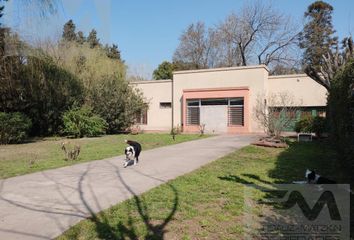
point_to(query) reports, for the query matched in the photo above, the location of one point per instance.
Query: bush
(80, 122)
(304, 125)
(317, 125)
(14, 127)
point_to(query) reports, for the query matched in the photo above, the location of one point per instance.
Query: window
(235, 109)
(235, 112)
(165, 104)
(193, 112)
(141, 117)
(213, 102)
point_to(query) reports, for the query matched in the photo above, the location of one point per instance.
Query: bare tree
(259, 34)
(197, 46)
(275, 113)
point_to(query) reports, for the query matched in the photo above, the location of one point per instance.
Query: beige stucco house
(223, 99)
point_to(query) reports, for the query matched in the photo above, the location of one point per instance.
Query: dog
(132, 152)
(314, 178)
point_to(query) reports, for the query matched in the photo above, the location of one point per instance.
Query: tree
(317, 36)
(341, 115)
(323, 57)
(260, 35)
(69, 31)
(80, 37)
(113, 52)
(92, 39)
(196, 46)
(256, 35)
(163, 71)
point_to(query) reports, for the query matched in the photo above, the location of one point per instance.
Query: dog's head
(129, 152)
(310, 175)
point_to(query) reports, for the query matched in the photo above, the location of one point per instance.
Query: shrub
(80, 122)
(304, 125)
(14, 127)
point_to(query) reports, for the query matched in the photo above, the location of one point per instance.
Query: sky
(147, 32)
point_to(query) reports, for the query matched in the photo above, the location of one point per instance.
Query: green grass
(45, 154)
(207, 203)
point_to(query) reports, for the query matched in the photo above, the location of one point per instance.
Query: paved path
(42, 205)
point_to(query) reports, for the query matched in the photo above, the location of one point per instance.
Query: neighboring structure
(223, 98)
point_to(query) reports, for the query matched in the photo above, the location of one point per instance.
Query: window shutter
(236, 115)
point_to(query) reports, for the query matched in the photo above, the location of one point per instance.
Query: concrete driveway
(45, 204)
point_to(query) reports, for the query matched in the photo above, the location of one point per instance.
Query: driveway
(45, 204)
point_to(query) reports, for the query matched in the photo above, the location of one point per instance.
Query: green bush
(80, 122)
(304, 125)
(317, 125)
(14, 127)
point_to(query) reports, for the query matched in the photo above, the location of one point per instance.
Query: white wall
(158, 119)
(253, 77)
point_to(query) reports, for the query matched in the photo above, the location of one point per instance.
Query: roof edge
(221, 69)
(288, 76)
(151, 81)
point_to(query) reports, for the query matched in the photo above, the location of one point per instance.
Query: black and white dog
(132, 152)
(314, 178)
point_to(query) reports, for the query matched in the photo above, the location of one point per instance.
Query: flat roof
(288, 76)
(221, 69)
(151, 81)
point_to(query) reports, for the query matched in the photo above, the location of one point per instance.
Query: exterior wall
(249, 82)
(218, 93)
(158, 119)
(254, 78)
(306, 91)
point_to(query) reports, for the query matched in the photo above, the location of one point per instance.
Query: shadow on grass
(290, 165)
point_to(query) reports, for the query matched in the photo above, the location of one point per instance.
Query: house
(224, 99)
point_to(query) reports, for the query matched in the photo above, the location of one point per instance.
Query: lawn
(207, 203)
(44, 154)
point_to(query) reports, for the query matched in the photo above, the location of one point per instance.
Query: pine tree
(163, 71)
(80, 37)
(69, 31)
(317, 36)
(92, 39)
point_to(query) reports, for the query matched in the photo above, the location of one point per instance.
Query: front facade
(223, 99)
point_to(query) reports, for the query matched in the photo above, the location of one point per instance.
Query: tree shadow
(89, 201)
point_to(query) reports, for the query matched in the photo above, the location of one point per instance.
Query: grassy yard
(207, 203)
(44, 154)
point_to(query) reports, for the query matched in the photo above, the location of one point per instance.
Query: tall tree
(323, 57)
(69, 31)
(196, 46)
(258, 35)
(92, 39)
(317, 36)
(80, 37)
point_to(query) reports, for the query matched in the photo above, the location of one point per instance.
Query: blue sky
(147, 32)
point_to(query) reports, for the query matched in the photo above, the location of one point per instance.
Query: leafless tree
(197, 46)
(276, 112)
(259, 35)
